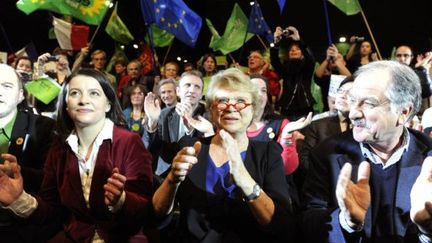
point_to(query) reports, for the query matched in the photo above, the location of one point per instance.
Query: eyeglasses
(342, 91)
(366, 103)
(254, 57)
(403, 55)
(224, 105)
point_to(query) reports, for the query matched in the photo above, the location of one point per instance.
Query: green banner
(89, 11)
(44, 89)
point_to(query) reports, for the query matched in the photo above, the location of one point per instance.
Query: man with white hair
(381, 155)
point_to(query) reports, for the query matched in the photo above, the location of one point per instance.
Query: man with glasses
(258, 65)
(405, 55)
(325, 127)
(358, 188)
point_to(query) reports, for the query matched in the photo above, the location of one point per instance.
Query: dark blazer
(232, 221)
(61, 192)
(315, 133)
(321, 216)
(30, 140)
(163, 142)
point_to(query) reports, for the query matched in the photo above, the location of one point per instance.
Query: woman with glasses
(229, 188)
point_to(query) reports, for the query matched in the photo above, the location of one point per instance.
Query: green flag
(349, 7)
(161, 38)
(119, 54)
(316, 94)
(215, 35)
(117, 29)
(44, 89)
(393, 53)
(89, 11)
(235, 31)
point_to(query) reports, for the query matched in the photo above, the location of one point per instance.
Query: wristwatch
(256, 191)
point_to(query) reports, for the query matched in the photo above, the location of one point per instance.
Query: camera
(53, 59)
(359, 39)
(285, 33)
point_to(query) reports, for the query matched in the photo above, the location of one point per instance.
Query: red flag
(70, 36)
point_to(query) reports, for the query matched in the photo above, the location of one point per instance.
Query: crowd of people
(204, 153)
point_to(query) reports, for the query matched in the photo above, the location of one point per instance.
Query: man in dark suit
(328, 126)
(27, 137)
(380, 153)
(167, 126)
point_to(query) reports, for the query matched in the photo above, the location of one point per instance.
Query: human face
(232, 120)
(188, 68)
(374, 121)
(255, 61)
(262, 91)
(365, 48)
(168, 94)
(190, 89)
(209, 65)
(137, 97)
(24, 65)
(341, 98)
(119, 68)
(170, 71)
(10, 92)
(133, 70)
(404, 55)
(86, 102)
(99, 61)
(295, 52)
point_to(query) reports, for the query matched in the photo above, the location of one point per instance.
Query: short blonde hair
(232, 79)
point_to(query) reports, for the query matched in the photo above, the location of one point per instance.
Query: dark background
(392, 23)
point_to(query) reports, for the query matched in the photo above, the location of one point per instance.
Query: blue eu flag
(173, 16)
(257, 23)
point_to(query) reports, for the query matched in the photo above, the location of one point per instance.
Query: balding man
(27, 137)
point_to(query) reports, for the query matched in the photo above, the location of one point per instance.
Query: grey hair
(166, 81)
(195, 73)
(404, 87)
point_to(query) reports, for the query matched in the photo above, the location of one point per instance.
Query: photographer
(360, 53)
(296, 99)
(405, 55)
(56, 66)
(334, 63)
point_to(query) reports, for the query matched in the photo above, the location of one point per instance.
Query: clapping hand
(296, 125)
(201, 124)
(114, 187)
(152, 107)
(421, 198)
(183, 108)
(424, 60)
(183, 162)
(354, 199)
(11, 181)
(238, 171)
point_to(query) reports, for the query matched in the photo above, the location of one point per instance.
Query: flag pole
(232, 58)
(262, 42)
(329, 39)
(6, 39)
(370, 31)
(78, 65)
(166, 54)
